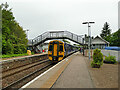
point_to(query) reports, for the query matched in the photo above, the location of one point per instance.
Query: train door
(55, 49)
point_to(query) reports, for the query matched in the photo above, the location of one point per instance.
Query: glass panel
(61, 48)
(50, 48)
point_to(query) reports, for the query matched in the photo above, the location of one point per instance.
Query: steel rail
(40, 62)
(25, 77)
(21, 66)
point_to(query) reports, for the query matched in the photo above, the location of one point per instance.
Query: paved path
(76, 75)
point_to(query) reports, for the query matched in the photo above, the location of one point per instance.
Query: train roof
(63, 42)
(56, 40)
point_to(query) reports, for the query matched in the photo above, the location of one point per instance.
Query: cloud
(42, 15)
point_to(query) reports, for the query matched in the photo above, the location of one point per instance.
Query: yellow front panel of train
(62, 54)
(55, 50)
(50, 53)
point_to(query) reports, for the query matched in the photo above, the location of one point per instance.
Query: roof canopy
(99, 40)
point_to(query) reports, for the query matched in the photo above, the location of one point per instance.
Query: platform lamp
(27, 32)
(89, 34)
(27, 36)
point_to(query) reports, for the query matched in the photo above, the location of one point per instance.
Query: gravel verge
(104, 77)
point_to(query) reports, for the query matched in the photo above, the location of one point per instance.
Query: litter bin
(28, 52)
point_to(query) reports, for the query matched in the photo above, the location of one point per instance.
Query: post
(32, 46)
(89, 36)
(83, 47)
(83, 50)
(27, 33)
(89, 39)
(77, 38)
(72, 35)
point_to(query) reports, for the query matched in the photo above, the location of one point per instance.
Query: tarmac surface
(72, 72)
(76, 75)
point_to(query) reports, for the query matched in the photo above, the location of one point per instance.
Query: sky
(39, 16)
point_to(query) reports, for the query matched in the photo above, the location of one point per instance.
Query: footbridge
(57, 35)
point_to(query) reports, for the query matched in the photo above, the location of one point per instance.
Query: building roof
(99, 40)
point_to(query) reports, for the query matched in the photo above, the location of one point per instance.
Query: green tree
(86, 38)
(105, 31)
(0, 30)
(114, 38)
(14, 40)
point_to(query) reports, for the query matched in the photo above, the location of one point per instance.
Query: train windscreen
(61, 48)
(50, 48)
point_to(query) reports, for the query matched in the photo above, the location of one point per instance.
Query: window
(50, 48)
(61, 48)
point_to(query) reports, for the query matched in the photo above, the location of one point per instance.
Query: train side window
(50, 48)
(61, 48)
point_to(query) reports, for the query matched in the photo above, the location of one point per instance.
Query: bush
(19, 49)
(23, 48)
(97, 58)
(110, 59)
(32, 53)
(9, 47)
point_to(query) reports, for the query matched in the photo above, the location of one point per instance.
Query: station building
(98, 42)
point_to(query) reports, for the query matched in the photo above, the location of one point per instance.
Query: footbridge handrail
(57, 35)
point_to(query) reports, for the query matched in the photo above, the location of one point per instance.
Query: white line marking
(66, 59)
(39, 76)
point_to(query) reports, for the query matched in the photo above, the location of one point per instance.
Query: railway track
(17, 77)
(21, 68)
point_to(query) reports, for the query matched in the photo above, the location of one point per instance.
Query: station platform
(72, 72)
(19, 57)
(76, 74)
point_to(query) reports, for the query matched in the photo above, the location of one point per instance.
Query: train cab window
(50, 48)
(61, 48)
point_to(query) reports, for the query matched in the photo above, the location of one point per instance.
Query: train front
(55, 50)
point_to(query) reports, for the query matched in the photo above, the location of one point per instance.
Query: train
(58, 50)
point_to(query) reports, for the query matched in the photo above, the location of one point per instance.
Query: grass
(14, 55)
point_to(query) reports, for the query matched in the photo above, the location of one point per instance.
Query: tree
(114, 38)
(87, 38)
(105, 31)
(14, 39)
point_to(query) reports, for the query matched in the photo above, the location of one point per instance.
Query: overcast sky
(40, 16)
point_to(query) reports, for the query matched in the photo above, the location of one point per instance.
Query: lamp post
(27, 33)
(89, 34)
(27, 38)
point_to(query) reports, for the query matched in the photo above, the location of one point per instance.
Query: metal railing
(57, 35)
